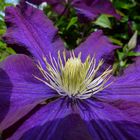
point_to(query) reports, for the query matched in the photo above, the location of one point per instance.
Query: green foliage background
(4, 50)
(73, 32)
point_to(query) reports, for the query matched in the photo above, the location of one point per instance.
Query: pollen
(72, 77)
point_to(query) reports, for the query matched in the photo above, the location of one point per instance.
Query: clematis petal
(97, 44)
(91, 9)
(110, 119)
(88, 119)
(57, 120)
(29, 27)
(124, 93)
(115, 112)
(129, 82)
(59, 6)
(19, 90)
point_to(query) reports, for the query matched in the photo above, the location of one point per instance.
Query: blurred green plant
(125, 54)
(4, 50)
(72, 31)
(123, 30)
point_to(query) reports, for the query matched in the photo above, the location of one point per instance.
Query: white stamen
(72, 77)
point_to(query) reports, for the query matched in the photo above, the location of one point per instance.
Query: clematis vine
(86, 9)
(79, 98)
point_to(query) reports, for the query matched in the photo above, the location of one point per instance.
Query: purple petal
(19, 90)
(119, 104)
(129, 82)
(59, 6)
(125, 92)
(89, 119)
(56, 121)
(29, 27)
(110, 119)
(97, 44)
(93, 8)
(116, 109)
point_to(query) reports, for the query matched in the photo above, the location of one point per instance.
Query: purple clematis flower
(86, 9)
(78, 99)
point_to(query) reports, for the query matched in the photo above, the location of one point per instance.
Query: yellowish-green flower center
(72, 77)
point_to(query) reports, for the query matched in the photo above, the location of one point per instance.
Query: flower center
(72, 77)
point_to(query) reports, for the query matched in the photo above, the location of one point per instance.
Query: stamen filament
(72, 77)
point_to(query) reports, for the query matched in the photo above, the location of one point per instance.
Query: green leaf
(116, 41)
(72, 22)
(120, 55)
(2, 31)
(103, 21)
(133, 41)
(133, 53)
(123, 63)
(125, 4)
